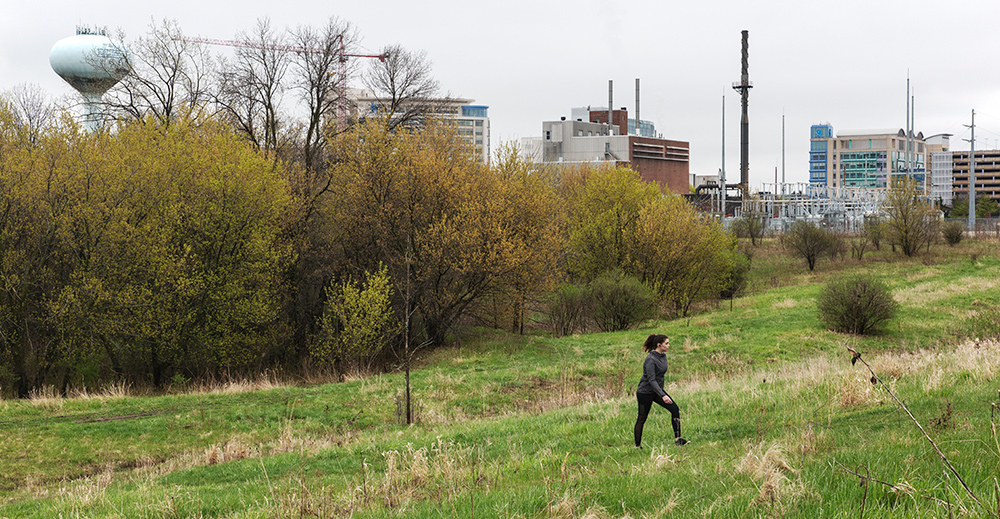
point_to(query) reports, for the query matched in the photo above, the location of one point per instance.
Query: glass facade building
(863, 158)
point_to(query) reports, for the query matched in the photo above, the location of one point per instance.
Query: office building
(863, 158)
(472, 120)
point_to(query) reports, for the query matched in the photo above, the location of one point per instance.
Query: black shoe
(638, 446)
(681, 441)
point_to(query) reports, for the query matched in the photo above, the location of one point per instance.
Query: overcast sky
(843, 63)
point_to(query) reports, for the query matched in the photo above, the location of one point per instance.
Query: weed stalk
(856, 356)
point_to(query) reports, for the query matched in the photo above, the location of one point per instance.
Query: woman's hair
(652, 341)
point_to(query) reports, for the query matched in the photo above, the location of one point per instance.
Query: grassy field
(530, 426)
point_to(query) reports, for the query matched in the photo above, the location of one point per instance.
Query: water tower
(91, 64)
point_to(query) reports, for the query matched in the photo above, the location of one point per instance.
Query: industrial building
(593, 140)
(472, 120)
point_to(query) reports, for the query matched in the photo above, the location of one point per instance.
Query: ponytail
(652, 341)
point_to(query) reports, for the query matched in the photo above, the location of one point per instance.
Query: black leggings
(645, 404)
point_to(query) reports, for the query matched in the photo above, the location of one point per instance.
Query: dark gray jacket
(653, 369)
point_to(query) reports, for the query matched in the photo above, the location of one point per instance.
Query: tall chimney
(610, 104)
(743, 88)
(637, 132)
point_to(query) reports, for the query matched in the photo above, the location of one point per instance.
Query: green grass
(531, 426)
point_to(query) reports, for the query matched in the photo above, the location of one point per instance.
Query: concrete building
(472, 120)
(592, 140)
(863, 158)
(987, 174)
(940, 167)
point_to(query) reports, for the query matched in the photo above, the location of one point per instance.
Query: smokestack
(611, 90)
(743, 88)
(637, 107)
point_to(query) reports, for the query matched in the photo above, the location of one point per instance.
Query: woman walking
(651, 388)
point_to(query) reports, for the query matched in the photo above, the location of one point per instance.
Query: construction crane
(341, 58)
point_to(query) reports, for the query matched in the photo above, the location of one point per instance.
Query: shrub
(953, 232)
(568, 310)
(809, 241)
(738, 278)
(873, 230)
(856, 303)
(619, 301)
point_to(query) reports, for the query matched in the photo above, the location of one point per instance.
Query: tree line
(211, 229)
(160, 250)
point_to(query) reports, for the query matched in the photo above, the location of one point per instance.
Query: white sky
(843, 62)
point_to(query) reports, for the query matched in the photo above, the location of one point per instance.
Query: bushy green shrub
(953, 232)
(619, 301)
(738, 278)
(568, 310)
(856, 303)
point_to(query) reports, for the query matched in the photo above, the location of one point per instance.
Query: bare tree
(32, 110)
(911, 219)
(403, 84)
(320, 76)
(167, 72)
(250, 87)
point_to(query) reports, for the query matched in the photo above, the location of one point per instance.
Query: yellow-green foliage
(457, 230)
(357, 318)
(683, 255)
(152, 247)
(604, 208)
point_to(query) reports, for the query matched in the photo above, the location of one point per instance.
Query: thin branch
(856, 356)
(866, 479)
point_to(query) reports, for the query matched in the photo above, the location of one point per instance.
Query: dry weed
(440, 471)
(673, 502)
(660, 459)
(770, 469)
(89, 490)
(807, 439)
(289, 441)
(46, 397)
(926, 293)
(785, 303)
(855, 389)
(266, 381)
(120, 389)
(235, 449)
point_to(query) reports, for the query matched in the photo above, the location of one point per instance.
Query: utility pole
(972, 175)
(906, 154)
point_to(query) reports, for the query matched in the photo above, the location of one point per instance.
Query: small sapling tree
(809, 241)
